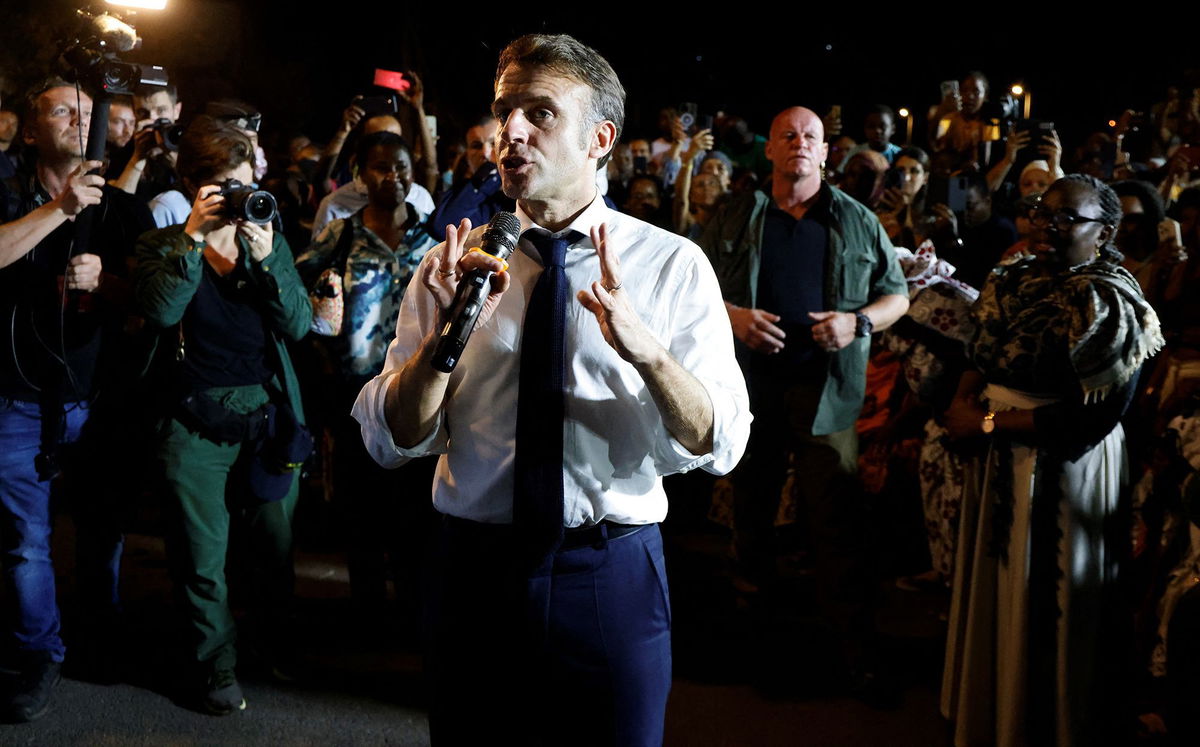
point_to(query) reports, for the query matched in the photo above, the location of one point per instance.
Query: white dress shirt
(615, 446)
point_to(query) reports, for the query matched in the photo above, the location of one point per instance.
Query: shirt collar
(592, 216)
(821, 208)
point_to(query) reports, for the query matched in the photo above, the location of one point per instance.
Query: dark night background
(301, 63)
(302, 67)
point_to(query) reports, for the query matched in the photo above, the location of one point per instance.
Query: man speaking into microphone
(602, 359)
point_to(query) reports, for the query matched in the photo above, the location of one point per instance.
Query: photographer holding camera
(233, 436)
(173, 206)
(146, 166)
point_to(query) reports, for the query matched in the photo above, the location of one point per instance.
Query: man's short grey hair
(569, 57)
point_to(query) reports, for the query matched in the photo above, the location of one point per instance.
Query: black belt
(574, 538)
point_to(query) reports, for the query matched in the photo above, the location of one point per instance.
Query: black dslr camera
(243, 202)
(169, 133)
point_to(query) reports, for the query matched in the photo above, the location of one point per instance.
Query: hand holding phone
(393, 80)
(951, 99)
(1170, 241)
(833, 122)
(372, 106)
(1168, 231)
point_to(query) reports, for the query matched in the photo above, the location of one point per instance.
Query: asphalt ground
(749, 670)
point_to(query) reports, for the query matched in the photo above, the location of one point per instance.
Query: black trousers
(827, 490)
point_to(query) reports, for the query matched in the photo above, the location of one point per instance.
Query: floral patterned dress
(931, 344)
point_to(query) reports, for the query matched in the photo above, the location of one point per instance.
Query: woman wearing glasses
(1061, 335)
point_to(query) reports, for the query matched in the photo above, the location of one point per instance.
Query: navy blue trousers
(576, 652)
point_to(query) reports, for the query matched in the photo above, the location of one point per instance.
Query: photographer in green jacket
(233, 436)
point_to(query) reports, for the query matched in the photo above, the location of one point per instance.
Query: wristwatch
(862, 325)
(989, 422)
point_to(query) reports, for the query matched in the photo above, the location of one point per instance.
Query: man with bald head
(807, 274)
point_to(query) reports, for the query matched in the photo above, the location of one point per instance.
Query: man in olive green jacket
(807, 274)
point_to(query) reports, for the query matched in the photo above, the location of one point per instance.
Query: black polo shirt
(791, 280)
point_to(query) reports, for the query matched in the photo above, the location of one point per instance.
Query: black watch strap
(862, 325)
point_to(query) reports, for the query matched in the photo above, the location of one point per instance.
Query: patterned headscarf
(1092, 317)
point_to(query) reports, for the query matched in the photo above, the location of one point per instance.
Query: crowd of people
(994, 318)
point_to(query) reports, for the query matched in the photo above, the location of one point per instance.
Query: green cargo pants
(198, 473)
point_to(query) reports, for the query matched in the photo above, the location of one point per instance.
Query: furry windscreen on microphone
(117, 35)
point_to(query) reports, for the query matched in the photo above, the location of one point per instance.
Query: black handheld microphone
(499, 240)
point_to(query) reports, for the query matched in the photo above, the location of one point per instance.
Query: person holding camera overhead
(61, 386)
(232, 435)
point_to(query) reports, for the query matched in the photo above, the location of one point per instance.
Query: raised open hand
(609, 302)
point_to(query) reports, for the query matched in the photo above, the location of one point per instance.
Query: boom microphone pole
(90, 59)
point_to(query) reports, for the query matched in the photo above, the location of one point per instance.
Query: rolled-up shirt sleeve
(702, 342)
(417, 316)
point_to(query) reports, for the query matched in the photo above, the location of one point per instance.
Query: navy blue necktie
(538, 463)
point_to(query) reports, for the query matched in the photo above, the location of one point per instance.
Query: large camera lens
(169, 133)
(247, 203)
(171, 137)
(119, 77)
(258, 206)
